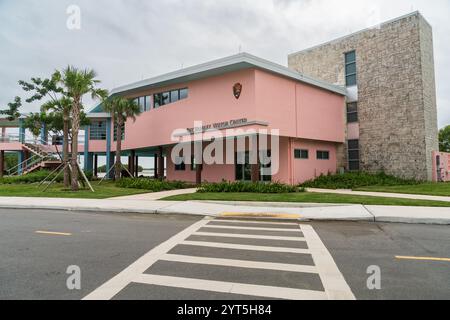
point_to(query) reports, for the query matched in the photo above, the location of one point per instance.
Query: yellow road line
(261, 215)
(54, 233)
(423, 258)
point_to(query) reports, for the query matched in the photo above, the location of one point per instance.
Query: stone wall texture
(396, 93)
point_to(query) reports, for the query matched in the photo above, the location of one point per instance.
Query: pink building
(238, 92)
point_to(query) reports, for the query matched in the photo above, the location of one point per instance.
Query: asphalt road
(184, 257)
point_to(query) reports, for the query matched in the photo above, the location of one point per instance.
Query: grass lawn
(306, 197)
(432, 189)
(105, 190)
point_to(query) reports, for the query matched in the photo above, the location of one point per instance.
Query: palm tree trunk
(75, 129)
(66, 149)
(118, 149)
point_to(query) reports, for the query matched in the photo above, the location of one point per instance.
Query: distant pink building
(238, 92)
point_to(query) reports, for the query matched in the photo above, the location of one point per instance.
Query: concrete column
(160, 164)
(21, 158)
(21, 131)
(2, 162)
(109, 155)
(89, 162)
(96, 165)
(87, 165)
(110, 160)
(131, 162)
(136, 167)
(255, 168)
(198, 174)
(3, 132)
(155, 158)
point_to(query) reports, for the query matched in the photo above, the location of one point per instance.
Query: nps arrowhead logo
(237, 90)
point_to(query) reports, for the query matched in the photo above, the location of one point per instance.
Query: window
(350, 69)
(244, 169)
(353, 155)
(141, 103)
(144, 103)
(157, 100)
(148, 103)
(301, 154)
(183, 94)
(181, 166)
(323, 155)
(174, 96)
(97, 130)
(115, 132)
(352, 112)
(161, 99)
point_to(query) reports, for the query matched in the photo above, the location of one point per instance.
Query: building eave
(221, 66)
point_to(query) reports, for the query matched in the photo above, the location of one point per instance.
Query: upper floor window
(163, 98)
(323, 155)
(97, 130)
(350, 68)
(144, 103)
(353, 155)
(352, 112)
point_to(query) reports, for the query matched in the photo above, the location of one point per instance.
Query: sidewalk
(156, 195)
(307, 212)
(381, 194)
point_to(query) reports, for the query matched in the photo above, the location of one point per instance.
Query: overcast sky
(128, 40)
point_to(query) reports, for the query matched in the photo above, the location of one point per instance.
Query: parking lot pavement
(224, 258)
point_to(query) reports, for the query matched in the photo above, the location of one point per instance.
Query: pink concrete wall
(299, 110)
(210, 100)
(444, 166)
(291, 170)
(311, 168)
(210, 173)
(98, 145)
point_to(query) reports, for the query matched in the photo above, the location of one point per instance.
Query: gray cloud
(125, 41)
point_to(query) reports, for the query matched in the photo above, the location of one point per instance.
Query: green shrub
(151, 184)
(33, 177)
(353, 180)
(248, 187)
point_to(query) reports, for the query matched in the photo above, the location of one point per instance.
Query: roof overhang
(225, 65)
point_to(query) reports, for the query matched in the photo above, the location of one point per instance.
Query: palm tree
(77, 84)
(63, 107)
(58, 103)
(120, 109)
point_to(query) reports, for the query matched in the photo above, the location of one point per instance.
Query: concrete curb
(409, 215)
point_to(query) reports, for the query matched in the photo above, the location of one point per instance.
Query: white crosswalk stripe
(251, 228)
(247, 236)
(244, 247)
(192, 248)
(240, 263)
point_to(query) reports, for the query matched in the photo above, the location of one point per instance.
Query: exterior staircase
(42, 159)
(39, 159)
